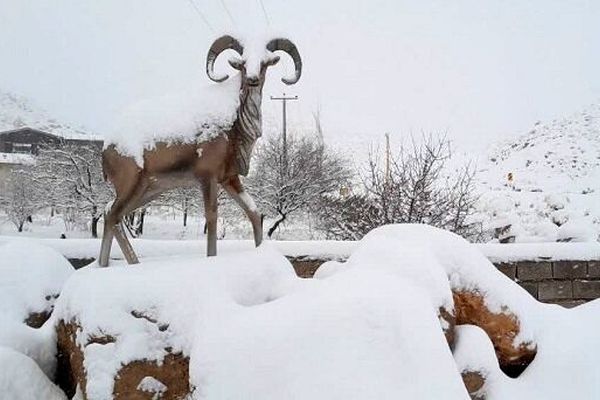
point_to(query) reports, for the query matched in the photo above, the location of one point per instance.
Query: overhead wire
(262, 5)
(228, 13)
(201, 14)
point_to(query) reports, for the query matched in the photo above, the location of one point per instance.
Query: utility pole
(284, 101)
(387, 158)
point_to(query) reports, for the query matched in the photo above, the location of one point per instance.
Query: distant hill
(17, 112)
(555, 170)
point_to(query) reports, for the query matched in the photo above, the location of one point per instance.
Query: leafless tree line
(416, 186)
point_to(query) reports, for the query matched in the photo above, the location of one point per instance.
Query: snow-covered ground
(163, 223)
(554, 190)
(253, 329)
(309, 249)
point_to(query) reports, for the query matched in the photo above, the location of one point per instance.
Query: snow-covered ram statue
(220, 160)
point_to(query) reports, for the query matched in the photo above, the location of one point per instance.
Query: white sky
(481, 70)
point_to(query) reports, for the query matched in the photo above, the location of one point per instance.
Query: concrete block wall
(568, 283)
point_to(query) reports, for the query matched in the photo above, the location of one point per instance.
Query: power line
(201, 15)
(228, 12)
(262, 5)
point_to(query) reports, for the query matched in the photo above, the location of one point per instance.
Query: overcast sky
(480, 70)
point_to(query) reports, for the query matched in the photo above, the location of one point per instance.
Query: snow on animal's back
(197, 114)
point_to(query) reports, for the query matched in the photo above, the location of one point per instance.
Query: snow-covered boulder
(31, 278)
(123, 324)
(243, 325)
(22, 379)
(464, 285)
(248, 327)
(566, 365)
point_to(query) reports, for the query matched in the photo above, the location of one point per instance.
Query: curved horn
(221, 44)
(290, 48)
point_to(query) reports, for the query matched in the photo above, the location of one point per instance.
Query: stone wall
(568, 283)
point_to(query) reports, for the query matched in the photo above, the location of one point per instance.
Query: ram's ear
(272, 61)
(237, 63)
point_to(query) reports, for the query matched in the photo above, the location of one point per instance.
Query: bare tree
(72, 177)
(187, 200)
(417, 188)
(286, 188)
(20, 198)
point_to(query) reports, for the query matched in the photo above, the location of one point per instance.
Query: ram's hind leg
(113, 227)
(234, 188)
(209, 193)
(124, 243)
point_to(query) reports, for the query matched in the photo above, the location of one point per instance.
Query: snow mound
(555, 171)
(22, 379)
(565, 338)
(577, 231)
(441, 262)
(356, 335)
(31, 278)
(197, 114)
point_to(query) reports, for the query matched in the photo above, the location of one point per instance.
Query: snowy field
(162, 223)
(165, 236)
(252, 329)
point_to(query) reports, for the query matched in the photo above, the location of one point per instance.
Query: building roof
(82, 137)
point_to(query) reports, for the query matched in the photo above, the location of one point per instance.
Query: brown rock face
(502, 328)
(448, 322)
(37, 319)
(70, 371)
(474, 382)
(173, 371)
(305, 268)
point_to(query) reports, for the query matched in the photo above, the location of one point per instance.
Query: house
(29, 140)
(19, 147)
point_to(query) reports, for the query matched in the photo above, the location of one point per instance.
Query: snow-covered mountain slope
(546, 183)
(18, 112)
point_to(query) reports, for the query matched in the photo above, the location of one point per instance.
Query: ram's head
(253, 63)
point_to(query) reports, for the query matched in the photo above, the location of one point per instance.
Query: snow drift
(31, 278)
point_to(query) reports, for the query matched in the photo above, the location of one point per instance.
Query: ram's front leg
(209, 192)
